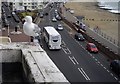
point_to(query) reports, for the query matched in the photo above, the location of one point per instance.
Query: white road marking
(101, 65)
(72, 60)
(63, 43)
(98, 62)
(108, 71)
(66, 49)
(116, 78)
(111, 74)
(83, 73)
(75, 60)
(95, 59)
(104, 67)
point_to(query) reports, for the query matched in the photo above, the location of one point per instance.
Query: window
(20, 4)
(55, 40)
(35, 3)
(32, 3)
(33, 7)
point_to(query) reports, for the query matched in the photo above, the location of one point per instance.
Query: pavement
(16, 37)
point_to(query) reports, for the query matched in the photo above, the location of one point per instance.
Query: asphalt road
(75, 62)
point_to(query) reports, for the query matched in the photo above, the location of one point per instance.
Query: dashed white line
(101, 65)
(108, 71)
(104, 67)
(111, 74)
(98, 62)
(95, 59)
(83, 73)
(116, 78)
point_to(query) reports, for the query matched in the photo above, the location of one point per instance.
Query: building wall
(30, 4)
(0, 15)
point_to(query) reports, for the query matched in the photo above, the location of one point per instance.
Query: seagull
(30, 28)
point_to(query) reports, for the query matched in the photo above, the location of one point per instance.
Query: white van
(52, 37)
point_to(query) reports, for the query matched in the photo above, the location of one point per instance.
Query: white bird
(30, 28)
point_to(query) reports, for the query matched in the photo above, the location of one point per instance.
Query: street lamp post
(8, 31)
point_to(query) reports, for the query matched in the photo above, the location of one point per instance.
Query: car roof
(59, 24)
(118, 61)
(78, 34)
(91, 43)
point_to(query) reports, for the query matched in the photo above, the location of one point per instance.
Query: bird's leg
(31, 40)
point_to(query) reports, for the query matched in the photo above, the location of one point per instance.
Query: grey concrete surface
(38, 67)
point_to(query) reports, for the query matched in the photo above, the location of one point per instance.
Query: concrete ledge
(37, 65)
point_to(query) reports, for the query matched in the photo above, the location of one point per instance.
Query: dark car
(115, 66)
(92, 47)
(79, 37)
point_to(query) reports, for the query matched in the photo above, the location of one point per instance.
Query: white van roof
(51, 30)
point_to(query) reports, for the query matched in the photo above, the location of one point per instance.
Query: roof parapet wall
(40, 65)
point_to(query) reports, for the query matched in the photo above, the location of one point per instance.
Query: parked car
(79, 37)
(59, 27)
(71, 11)
(41, 15)
(115, 66)
(83, 26)
(58, 17)
(92, 47)
(56, 10)
(54, 19)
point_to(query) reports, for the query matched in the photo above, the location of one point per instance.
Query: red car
(92, 47)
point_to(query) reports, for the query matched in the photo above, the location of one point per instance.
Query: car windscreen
(55, 38)
(93, 46)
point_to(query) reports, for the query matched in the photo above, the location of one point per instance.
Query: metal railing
(106, 36)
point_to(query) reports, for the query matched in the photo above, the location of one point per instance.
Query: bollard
(31, 38)
(15, 29)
